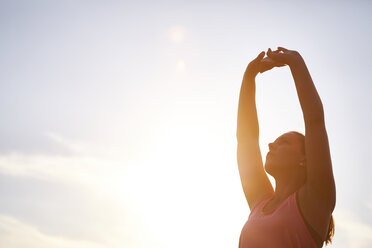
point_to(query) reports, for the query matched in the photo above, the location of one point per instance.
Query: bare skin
(314, 179)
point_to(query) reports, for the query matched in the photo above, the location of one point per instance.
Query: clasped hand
(277, 58)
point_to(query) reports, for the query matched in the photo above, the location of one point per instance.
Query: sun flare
(177, 34)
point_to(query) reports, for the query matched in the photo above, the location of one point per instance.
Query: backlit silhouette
(299, 212)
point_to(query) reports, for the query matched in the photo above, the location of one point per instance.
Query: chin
(270, 167)
(267, 167)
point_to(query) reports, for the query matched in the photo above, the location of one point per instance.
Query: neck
(284, 187)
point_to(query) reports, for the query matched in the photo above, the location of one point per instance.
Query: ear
(303, 163)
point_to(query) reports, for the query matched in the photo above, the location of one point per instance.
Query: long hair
(331, 228)
(331, 231)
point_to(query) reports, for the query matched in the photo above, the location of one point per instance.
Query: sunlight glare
(181, 65)
(177, 34)
(184, 187)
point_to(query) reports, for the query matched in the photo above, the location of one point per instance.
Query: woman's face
(285, 154)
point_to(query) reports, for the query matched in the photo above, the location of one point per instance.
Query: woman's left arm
(320, 179)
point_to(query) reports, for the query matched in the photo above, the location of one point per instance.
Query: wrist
(249, 75)
(298, 61)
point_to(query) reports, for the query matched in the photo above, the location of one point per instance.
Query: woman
(299, 212)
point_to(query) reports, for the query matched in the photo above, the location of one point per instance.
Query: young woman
(299, 212)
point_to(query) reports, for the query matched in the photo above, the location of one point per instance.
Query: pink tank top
(283, 227)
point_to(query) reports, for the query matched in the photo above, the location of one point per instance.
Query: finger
(268, 63)
(260, 56)
(271, 54)
(266, 67)
(277, 57)
(282, 49)
(267, 60)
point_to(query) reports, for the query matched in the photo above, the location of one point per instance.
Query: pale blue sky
(119, 118)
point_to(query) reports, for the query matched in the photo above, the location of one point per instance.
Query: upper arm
(256, 185)
(320, 183)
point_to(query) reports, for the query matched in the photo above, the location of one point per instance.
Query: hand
(268, 63)
(285, 56)
(261, 64)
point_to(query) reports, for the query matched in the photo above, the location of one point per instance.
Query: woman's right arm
(247, 127)
(256, 185)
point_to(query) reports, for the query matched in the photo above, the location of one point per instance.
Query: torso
(315, 214)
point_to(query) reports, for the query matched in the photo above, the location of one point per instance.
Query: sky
(118, 118)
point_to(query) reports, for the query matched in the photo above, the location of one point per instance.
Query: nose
(271, 146)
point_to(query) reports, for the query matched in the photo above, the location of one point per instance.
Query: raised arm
(320, 181)
(255, 182)
(247, 127)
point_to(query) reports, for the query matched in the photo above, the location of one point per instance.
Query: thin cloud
(357, 233)
(88, 164)
(116, 221)
(16, 234)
